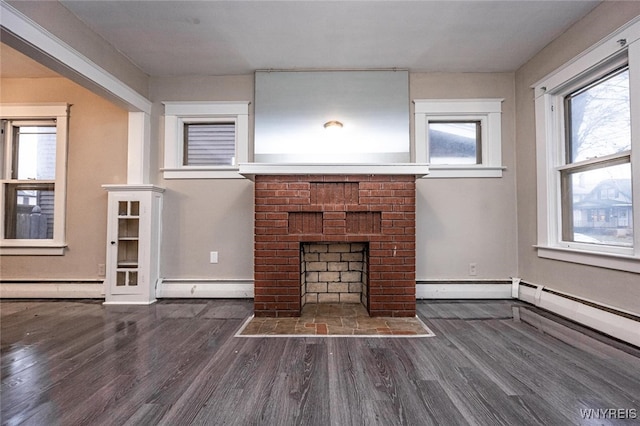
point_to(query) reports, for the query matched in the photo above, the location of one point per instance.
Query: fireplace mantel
(250, 170)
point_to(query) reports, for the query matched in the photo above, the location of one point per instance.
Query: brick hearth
(378, 210)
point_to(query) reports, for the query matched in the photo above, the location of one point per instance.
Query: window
(33, 186)
(205, 140)
(586, 152)
(459, 137)
(455, 142)
(209, 144)
(597, 171)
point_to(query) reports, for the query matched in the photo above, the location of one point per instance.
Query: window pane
(29, 211)
(35, 153)
(209, 144)
(600, 206)
(600, 118)
(454, 142)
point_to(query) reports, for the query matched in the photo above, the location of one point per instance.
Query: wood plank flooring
(178, 363)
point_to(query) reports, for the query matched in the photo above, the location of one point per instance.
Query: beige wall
(97, 155)
(201, 216)
(460, 221)
(609, 287)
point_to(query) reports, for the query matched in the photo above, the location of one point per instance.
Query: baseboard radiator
(203, 288)
(614, 322)
(464, 289)
(52, 289)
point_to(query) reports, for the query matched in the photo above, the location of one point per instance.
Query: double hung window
(595, 179)
(33, 179)
(588, 156)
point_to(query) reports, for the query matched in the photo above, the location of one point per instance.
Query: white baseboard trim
(614, 322)
(84, 289)
(195, 288)
(463, 289)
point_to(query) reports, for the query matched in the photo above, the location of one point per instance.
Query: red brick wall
(379, 209)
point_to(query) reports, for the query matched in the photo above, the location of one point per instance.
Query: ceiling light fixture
(333, 124)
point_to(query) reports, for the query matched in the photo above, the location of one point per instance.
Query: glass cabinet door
(128, 244)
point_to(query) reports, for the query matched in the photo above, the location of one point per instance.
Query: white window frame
(179, 113)
(487, 111)
(620, 47)
(60, 113)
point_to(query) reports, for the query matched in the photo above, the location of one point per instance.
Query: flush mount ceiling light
(333, 124)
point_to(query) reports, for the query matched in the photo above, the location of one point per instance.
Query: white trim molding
(249, 170)
(176, 114)
(487, 111)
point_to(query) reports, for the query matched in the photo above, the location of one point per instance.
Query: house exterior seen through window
(596, 182)
(588, 153)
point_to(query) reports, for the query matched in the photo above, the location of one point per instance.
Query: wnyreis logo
(609, 413)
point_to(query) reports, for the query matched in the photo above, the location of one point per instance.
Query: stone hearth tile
(278, 326)
(349, 322)
(368, 322)
(340, 330)
(321, 328)
(403, 333)
(335, 319)
(253, 327)
(330, 321)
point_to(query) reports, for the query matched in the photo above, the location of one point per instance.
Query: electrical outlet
(102, 271)
(213, 257)
(473, 269)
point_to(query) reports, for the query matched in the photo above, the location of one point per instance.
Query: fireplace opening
(334, 273)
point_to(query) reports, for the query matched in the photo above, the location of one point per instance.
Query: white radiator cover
(618, 326)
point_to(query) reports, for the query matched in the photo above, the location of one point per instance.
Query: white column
(139, 148)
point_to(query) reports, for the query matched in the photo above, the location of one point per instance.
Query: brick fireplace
(298, 213)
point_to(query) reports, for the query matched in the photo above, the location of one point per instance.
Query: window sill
(30, 249)
(202, 173)
(620, 262)
(436, 171)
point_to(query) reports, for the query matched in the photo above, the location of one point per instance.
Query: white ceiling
(172, 38)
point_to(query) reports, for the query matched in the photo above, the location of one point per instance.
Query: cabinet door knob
(113, 243)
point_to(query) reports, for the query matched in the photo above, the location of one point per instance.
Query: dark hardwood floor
(178, 362)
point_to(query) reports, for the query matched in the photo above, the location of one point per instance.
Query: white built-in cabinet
(133, 243)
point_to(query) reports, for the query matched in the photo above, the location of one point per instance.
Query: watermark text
(609, 413)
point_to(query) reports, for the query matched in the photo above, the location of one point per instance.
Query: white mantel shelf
(249, 170)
